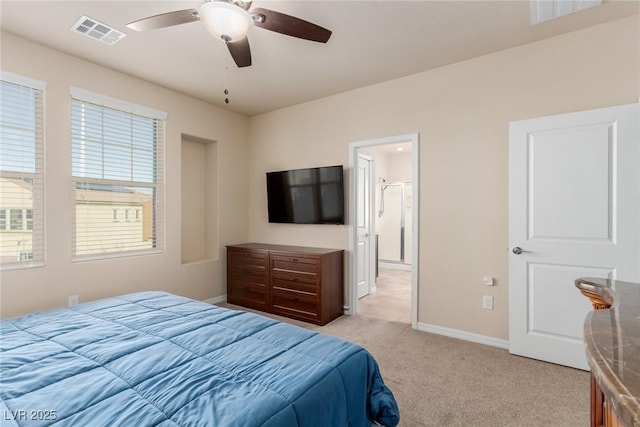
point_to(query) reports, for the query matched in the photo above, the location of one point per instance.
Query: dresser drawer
(306, 284)
(295, 263)
(247, 258)
(294, 304)
(248, 275)
(247, 295)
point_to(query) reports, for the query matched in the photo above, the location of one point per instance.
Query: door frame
(370, 241)
(414, 139)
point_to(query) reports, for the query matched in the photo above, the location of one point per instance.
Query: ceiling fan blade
(289, 25)
(240, 52)
(165, 20)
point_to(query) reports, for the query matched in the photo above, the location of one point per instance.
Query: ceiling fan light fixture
(225, 20)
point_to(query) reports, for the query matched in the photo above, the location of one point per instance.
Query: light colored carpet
(441, 381)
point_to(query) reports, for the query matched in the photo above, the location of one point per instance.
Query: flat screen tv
(306, 196)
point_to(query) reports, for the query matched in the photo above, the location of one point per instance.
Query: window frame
(159, 210)
(37, 230)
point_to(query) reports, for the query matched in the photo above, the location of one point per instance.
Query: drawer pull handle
(291, 298)
(294, 259)
(294, 279)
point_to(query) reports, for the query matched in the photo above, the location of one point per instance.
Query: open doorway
(384, 229)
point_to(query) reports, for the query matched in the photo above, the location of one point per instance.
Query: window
(21, 171)
(16, 219)
(26, 256)
(117, 165)
(29, 217)
(19, 219)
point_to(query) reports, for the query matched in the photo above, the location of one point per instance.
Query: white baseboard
(463, 335)
(216, 300)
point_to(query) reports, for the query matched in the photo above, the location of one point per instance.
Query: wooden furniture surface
(293, 281)
(612, 342)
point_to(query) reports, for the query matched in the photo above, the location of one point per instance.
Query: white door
(363, 224)
(574, 191)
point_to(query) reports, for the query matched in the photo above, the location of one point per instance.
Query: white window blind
(21, 171)
(117, 167)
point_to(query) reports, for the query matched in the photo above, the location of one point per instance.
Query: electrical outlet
(74, 300)
(487, 302)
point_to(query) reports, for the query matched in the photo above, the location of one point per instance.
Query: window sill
(21, 265)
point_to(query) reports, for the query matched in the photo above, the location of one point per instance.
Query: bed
(157, 359)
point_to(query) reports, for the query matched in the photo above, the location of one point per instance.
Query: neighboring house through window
(117, 165)
(21, 171)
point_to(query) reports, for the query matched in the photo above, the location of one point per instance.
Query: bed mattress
(157, 359)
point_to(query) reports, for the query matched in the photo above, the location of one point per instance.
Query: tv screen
(306, 196)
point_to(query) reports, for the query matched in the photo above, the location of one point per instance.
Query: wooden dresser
(297, 282)
(612, 342)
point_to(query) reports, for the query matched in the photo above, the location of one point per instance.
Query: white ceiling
(372, 41)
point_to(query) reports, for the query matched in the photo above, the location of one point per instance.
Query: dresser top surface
(612, 341)
(285, 248)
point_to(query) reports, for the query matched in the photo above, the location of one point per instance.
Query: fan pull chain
(226, 78)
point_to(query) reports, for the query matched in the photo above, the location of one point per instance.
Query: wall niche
(199, 199)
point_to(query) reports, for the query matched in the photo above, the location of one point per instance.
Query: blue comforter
(156, 359)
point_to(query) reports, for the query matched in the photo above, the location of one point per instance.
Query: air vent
(546, 10)
(97, 30)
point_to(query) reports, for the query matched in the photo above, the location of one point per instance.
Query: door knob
(517, 250)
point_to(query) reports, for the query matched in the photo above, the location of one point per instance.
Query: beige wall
(390, 166)
(22, 291)
(398, 167)
(462, 112)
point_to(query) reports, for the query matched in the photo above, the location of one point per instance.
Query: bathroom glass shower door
(394, 220)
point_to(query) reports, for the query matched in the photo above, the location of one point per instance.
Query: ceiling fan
(231, 20)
